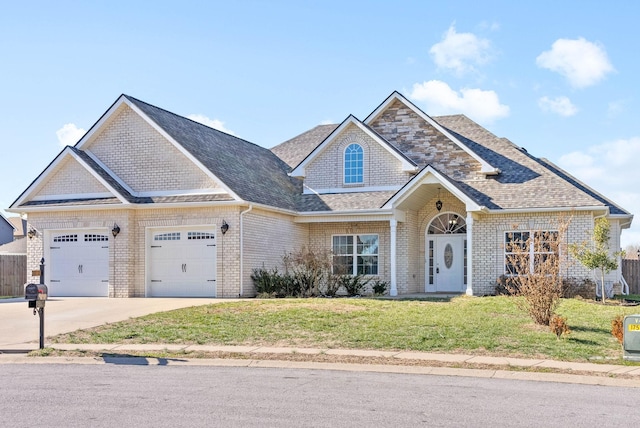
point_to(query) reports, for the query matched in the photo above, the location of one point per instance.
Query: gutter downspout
(242, 248)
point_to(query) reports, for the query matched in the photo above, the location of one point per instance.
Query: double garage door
(79, 263)
(182, 263)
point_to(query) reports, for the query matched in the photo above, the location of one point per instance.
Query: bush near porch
(471, 325)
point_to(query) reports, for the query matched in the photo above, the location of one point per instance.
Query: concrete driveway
(20, 329)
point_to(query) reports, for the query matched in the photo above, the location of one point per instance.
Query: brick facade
(143, 158)
(140, 155)
(381, 168)
(69, 179)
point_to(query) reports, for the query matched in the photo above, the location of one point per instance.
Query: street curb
(309, 365)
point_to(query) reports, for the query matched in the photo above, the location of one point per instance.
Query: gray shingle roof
(259, 175)
(252, 172)
(525, 181)
(343, 201)
(294, 151)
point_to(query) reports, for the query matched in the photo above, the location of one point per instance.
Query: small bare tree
(595, 254)
(534, 264)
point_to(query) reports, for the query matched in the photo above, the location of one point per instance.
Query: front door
(445, 264)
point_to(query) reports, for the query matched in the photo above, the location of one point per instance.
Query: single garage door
(79, 264)
(182, 263)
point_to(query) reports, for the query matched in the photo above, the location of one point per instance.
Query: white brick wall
(381, 168)
(71, 178)
(143, 158)
(267, 238)
(488, 243)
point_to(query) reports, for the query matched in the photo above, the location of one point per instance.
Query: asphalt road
(120, 394)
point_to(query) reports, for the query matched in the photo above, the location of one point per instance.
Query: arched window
(353, 164)
(447, 223)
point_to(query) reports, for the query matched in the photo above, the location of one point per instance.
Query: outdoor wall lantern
(438, 202)
(224, 227)
(116, 230)
(31, 233)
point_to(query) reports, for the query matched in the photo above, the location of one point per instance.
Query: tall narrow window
(353, 164)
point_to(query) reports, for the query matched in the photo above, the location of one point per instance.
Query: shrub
(500, 285)
(572, 287)
(617, 328)
(331, 286)
(539, 283)
(267, 282)
(379, 287)
(308, 270)
(353, 285)
(558, 326)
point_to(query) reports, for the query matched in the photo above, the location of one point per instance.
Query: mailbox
(31, 292)
(36, 294)
(631, 337)
(43, 292)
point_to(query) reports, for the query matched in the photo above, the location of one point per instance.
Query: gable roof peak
(407, 163)
(486, 167)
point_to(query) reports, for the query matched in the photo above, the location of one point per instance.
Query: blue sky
(558, 78)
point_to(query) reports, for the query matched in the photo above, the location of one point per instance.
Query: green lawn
(487, 325)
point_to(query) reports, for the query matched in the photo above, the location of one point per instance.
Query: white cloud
(69, 134)
(460, 52)
(479, 105)
(583, 63)
(211, 123)
(611, 169)
(558, 105)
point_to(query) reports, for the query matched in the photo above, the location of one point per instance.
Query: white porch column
(469, 254)
(393, 223)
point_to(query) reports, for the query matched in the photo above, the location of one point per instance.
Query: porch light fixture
(224, 227)
(438, 202)
(116, 230)
(31, 233)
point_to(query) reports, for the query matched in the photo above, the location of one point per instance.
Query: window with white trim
(355, 254)
(353, 164)
(531, 248)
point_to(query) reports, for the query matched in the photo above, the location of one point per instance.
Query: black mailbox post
(36, 296)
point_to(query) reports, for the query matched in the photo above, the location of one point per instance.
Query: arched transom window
(447, 223)
(353, 164)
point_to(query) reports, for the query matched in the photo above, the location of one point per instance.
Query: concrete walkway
(20, 329)
(19, 332)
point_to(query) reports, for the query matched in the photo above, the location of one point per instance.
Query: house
(19, 227)
(149, 203)
(6, 230)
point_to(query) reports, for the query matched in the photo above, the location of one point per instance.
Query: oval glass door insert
(448, 256)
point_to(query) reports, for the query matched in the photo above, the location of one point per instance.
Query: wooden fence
(13, 274)
(631, 273)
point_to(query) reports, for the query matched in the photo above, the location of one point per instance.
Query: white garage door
(79, 264)
(182, 263)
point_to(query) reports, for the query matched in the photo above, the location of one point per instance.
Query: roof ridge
(136, 100)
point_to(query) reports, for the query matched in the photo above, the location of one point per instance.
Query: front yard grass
(470, 325)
